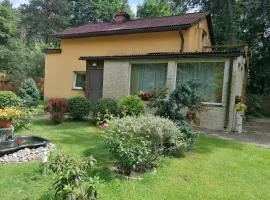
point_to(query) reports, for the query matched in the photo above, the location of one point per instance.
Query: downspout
(229, 95)
(182, 41)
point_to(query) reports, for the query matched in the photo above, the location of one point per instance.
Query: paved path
(255, 132)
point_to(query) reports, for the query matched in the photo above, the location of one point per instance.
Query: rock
(26, 155)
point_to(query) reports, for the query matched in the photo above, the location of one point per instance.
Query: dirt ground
(256, 131)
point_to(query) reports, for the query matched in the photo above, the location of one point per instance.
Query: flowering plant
(240, 107)
(9, 114)
(145, 96)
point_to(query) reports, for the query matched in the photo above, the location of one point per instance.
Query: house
(121, 58)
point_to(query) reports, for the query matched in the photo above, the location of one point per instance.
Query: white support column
(171, 75)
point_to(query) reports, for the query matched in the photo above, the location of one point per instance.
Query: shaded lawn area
(215, 169)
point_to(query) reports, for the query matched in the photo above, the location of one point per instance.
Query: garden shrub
(190, 136)
(254, 107)
(137, 142)
(29, 93)
(184, 97)
(9, 99)
(72, 177)
(105, 108)
(131, 105)
(79, 107)
(131, 151)
(23, 121)
(57, 108)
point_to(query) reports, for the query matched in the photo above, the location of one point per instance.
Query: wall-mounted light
(94, 64)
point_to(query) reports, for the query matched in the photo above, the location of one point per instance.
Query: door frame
(90, 65)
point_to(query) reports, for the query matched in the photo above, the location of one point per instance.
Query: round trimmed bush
(9, 99)
(131, 105)
(104, 107)
(29, 93)
(137, 142)
(79, 107)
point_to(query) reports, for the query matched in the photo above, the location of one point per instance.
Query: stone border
(27, 155)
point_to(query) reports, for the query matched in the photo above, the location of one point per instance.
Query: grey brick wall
(116, 79)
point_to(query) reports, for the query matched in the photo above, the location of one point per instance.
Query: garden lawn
(215, 169)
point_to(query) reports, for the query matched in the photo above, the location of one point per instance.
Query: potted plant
(7, 115)
(241, 107)
(240, 111)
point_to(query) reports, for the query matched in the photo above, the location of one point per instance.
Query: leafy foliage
(158, 98)
(8, 27)
(79, 107)
(29, 93)
(240, 107)
(154, 8)
(131, 105)
(93, 11)
(105, 108)
(9, 99)
(190, 136)
(254, 107)
(23, 121)
(42, 19)
(12, 50)
(183, 97)
(132, 151)
(57, 107)
(137, 142)
(72, 181)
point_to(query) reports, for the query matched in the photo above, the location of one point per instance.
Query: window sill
(211, 104)
(78, 89)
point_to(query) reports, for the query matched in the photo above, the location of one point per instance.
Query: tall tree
(41, 19)
(226, 15)
(8, 22)
(154, 8)
(12, 50)
(256, 32)
(242, 21)
(93, 11)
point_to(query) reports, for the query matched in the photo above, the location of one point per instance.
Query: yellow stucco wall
(59, 68)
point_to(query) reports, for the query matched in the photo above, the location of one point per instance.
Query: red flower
(145, 96)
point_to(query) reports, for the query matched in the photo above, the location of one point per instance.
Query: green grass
(215, 169)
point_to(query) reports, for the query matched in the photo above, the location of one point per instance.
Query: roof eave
(121, 32)
(165, 56)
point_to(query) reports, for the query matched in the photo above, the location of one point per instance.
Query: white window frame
(75, 73)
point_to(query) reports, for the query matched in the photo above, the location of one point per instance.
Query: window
(146, 77)
(208, 74)
(79, 80)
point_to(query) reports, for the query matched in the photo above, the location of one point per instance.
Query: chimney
(121, 17)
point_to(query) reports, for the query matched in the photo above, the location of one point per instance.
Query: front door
(95, 81)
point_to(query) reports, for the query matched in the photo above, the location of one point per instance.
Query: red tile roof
(135, 26)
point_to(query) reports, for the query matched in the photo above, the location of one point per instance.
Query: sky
(133, 3)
